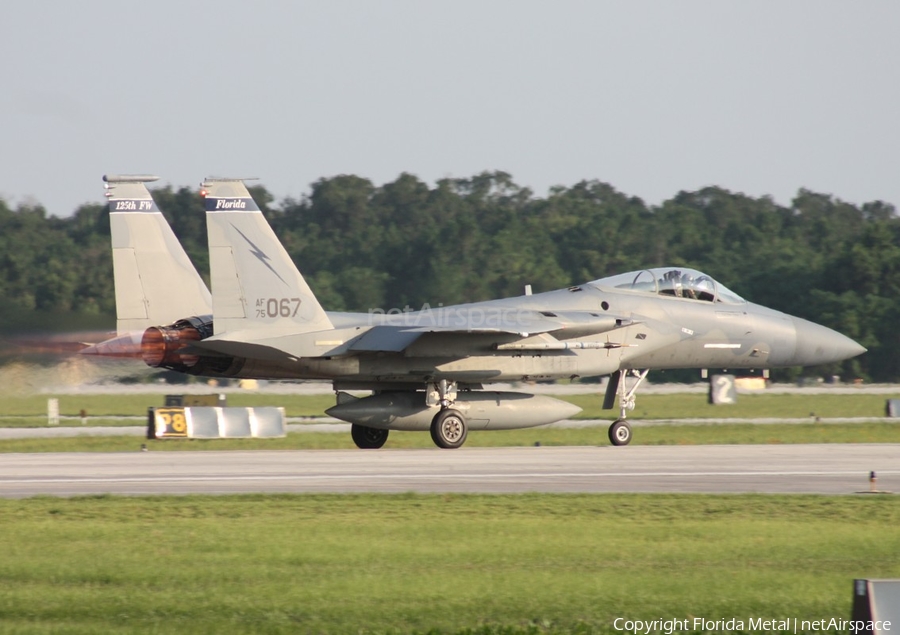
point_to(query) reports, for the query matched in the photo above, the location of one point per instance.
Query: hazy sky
(652, 97)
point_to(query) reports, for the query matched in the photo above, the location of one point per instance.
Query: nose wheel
(620, 433)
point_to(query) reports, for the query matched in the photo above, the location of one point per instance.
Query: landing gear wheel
(620, 433)
(448, 429)
(368, 438)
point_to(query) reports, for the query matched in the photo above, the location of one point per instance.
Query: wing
(408, 333)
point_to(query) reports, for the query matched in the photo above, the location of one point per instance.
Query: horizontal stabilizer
(130, 178)
(386, 339)
(233, 348)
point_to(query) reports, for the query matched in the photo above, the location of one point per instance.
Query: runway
(821, 469)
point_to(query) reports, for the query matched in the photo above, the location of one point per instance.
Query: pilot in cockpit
(683, 285)
(704, 289)
(672, 283)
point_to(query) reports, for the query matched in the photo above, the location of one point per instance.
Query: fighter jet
(427, 369)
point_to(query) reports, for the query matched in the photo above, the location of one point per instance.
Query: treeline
(406, 243)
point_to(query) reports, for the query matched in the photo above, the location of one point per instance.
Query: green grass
(412, 563)
(137, 404)
(694, 405)
(655, 435)
(103, 422)
(674, 406)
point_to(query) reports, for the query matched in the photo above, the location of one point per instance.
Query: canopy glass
(678, 282)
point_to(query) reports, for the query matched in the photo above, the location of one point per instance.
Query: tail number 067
(277, 307)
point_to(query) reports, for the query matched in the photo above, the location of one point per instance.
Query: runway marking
(382, 477)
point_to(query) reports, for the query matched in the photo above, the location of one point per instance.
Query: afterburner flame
(160, 345)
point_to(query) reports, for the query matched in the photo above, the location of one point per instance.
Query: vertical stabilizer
(155, 281)
(255, 284)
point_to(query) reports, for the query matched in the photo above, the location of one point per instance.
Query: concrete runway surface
(821, 469)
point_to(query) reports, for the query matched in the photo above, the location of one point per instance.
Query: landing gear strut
(448, 428)
(620, 431)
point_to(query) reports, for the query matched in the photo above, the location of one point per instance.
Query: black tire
(448, 429)
(620, 433)
(368, 438)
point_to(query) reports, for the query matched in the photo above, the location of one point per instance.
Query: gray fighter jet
(426, 369)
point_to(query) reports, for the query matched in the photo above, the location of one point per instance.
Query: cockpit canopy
(678, 282)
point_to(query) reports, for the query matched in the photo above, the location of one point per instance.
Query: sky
(653, 98)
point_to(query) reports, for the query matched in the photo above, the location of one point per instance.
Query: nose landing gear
(620, 431)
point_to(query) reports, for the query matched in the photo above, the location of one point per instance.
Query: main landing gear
(368, 438)
(620, 431)
(448, 428)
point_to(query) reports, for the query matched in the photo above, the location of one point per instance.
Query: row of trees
(405, 243)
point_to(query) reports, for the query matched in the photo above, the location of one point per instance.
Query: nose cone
(817, 344)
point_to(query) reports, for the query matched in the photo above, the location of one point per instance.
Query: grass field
(32, 410)
(411, 563)
(12, 408)
(655, 435)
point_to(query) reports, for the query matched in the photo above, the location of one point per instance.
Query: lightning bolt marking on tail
(260, 254)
